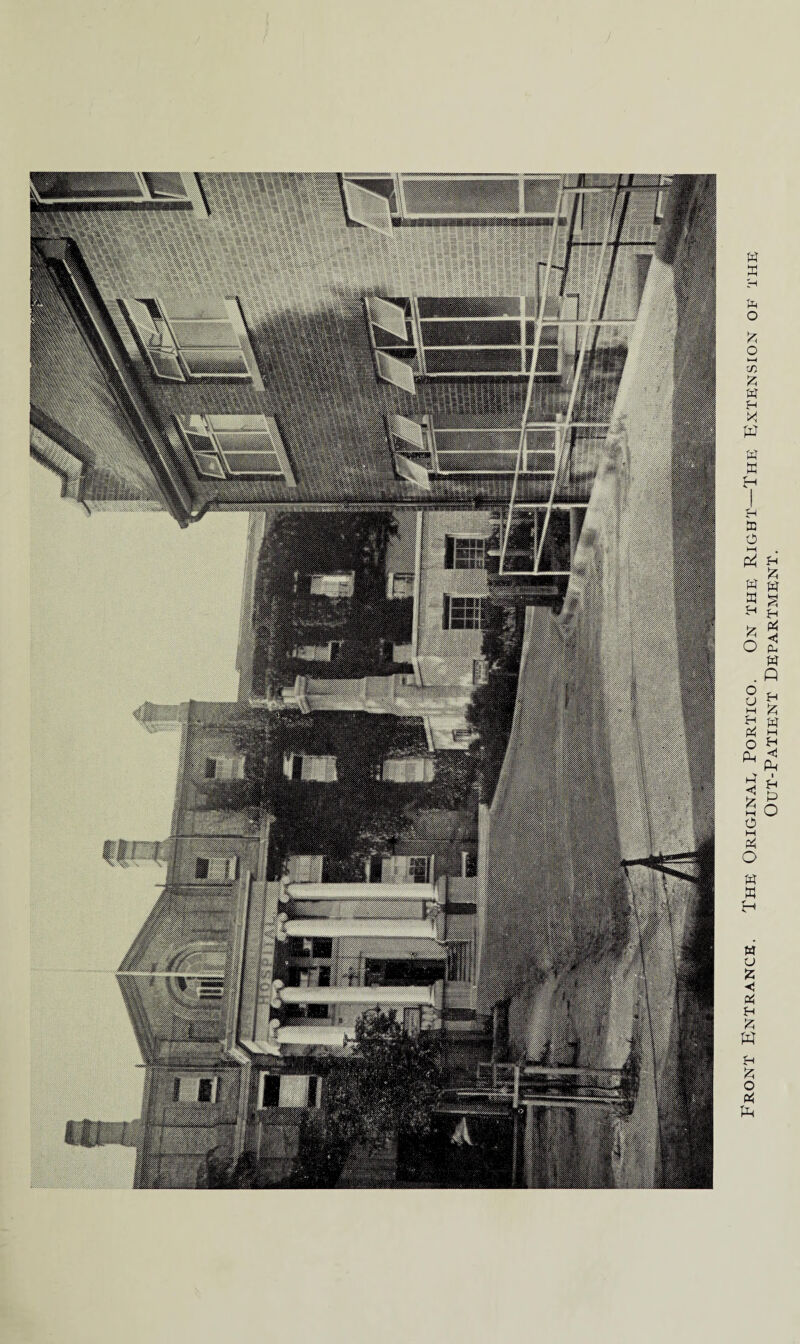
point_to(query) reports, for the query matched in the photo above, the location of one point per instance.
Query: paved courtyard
(611, 757)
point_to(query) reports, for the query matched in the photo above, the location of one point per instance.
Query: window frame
(194, 1083)
(411, 355)
(313, 865)
(336, 574)
(237, 769)
(231, 863)
(251, 376)
(199, 424)
(313, 1090)
(398, 211)
(471, 604)
(401, 578)
(191, 199)
(428, 769)
(333, 651)
(471, 556)
(288, 767)
(538, 460)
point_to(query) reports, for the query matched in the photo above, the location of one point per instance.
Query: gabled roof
(134, 988)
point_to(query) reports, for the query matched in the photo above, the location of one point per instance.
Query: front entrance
(408, 971)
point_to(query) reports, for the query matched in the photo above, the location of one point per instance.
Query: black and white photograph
(372, 667)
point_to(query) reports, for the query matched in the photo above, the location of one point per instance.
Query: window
(408, 770)
(305, 867)
(201, 987)
(192, 1087)
(400, 868)
(464, 613)
(316, 769)
(458, 338)
(79, 189)
(318, 653)
(189, 339)
(216, 869)
(462, 735)
(377, 200)
(464, 553)
(469, 863)
(224, 767)
(396, 653)
(339, 584)
(662, 192)
(236, 445)
(459, 961)
(399, 585)
(473, 450)
(290, 1089)
(480, 671)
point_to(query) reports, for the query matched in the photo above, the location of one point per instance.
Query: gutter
(426, 723)
(87, 308)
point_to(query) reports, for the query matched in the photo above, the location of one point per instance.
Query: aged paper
(310, 86)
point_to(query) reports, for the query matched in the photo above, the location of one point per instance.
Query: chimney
(95, 1133)
(137, 853)
(159, 718)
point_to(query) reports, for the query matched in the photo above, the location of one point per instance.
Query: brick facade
(282, 245)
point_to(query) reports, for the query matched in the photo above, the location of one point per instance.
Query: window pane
(244, 441)
(213, 310)
(206, 333)
(395, 371)
(411, 471)
(167, 185)
(223, 361)
(369, 203)
(209, 465)
(389, 316)
(470, 333)
(409, 430)
(476, 440)
(547, 361)
(165, 364)
(549, 335)
(477, 462)
(264, 464)
(461, 196)
(227, 424)
(540, 196)
(87, 186)
(493, 360)
(469, 307)
(205, 1089)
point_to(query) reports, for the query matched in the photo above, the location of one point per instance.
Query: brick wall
(280, 243)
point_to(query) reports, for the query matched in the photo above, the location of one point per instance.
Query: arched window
(199, 975)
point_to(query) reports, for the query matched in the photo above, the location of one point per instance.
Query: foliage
(390, 1082)
(283, 618)
(491, 708)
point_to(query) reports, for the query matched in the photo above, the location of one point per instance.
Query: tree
(389, 1083)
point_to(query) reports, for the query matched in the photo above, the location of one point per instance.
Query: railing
(563, 425)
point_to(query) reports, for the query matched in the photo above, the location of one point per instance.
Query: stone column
(392, 694)
(408, 995)
(355, 928)
(313, 1033)
(359, 891)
